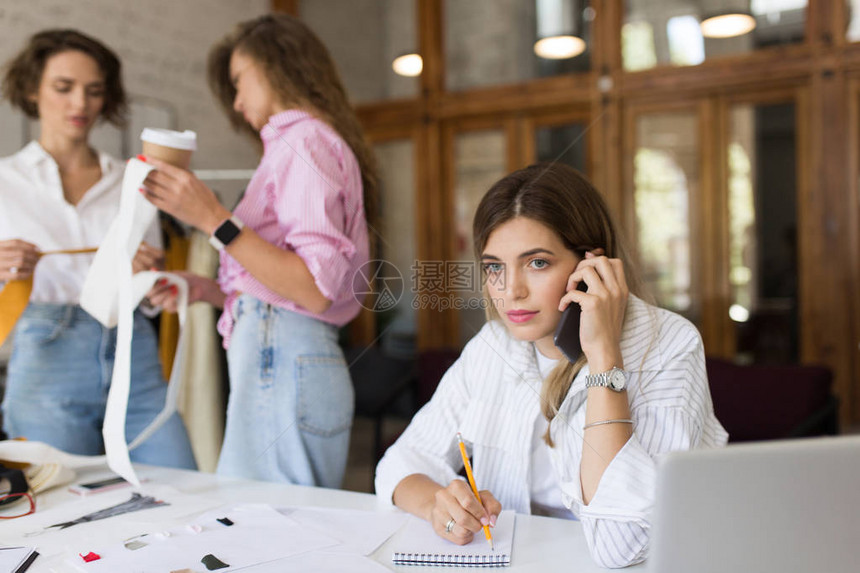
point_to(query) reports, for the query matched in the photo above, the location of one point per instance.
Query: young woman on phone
(548, 436)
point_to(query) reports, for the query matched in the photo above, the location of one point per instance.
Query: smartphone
(566, 337)
(98, 486)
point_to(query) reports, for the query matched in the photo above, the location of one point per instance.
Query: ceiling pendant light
(559, 47)
(559, 25)
(408, 65)
(728, 24)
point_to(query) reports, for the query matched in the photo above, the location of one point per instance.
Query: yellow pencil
(471, 477)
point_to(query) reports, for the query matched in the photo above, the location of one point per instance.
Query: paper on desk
(259, 534)
(110, 294)
(32, 529)
(13, 559)
(322, 562)
(359, 532)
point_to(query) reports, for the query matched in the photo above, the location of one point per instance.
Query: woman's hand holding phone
(602, 308)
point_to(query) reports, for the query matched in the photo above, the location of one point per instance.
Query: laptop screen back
(777, 507)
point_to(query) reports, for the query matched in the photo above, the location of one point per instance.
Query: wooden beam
(401, 113)
(290, 7)
(431, 34)
(852, 208)
(825, 279)
(567, 90)
(785, 65)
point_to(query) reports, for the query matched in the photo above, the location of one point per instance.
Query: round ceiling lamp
(559, 29)
(559, 47)
(408, 65)
(728, 25)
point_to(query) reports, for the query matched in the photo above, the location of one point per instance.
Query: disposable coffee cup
(174, 147)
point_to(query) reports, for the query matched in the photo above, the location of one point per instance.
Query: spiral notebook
(418, 544)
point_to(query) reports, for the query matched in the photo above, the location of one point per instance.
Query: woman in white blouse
(58, 193)
(546, 435)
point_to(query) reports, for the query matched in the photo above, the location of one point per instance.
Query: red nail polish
(174, 289)
(142, 157)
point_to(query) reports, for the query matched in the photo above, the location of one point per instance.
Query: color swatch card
(224, 540)
(418, 544)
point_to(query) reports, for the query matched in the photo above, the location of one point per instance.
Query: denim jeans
(58, 381)
(291, 399)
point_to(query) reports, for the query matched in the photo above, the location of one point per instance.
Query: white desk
(541, 544)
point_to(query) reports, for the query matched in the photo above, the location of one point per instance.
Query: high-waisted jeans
(291, 398)
(58, 381)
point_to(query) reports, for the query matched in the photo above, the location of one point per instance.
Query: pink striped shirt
(306, 197)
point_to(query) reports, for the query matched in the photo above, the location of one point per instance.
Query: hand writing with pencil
(458, 502)
(457, 511)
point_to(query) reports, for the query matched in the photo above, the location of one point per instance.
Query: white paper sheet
(11, 558)
(126, 232)
(322, 562)
(110, 294)
(33, 528)
(360, 532)
(259, 534)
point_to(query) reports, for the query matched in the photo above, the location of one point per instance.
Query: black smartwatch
(226, 233)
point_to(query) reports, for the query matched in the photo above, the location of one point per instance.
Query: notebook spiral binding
(451, 560)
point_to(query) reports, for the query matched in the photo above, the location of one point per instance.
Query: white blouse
(544, 492)
(491, 396)
(33, 209)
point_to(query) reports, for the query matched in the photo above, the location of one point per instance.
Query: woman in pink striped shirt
(289, 252)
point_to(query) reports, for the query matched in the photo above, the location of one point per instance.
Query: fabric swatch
(212, 563)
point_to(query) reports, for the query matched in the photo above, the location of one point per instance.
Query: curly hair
(23, 73)
(301, 73)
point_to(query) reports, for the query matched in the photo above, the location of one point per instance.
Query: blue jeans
(291, 399)
(58, 381)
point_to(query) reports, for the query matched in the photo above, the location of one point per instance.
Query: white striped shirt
(491, 396)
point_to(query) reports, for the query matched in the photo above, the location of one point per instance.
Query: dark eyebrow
(100, 83)
(535, 252)
(522, 256)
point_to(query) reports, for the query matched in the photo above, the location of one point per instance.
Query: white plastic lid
(168, 138)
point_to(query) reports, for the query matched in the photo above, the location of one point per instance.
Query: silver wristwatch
(615, 379)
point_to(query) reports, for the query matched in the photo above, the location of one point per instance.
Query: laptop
(770, 507)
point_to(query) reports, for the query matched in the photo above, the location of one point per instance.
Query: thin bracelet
(618, 421)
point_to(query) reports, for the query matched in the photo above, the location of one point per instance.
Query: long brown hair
(562, 199)
(23, 73)
(302, 74)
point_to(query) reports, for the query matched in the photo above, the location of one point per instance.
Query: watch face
(617, 380)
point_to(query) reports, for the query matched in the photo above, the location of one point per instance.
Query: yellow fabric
(13, 300)
(175, 259)
(15, 296)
